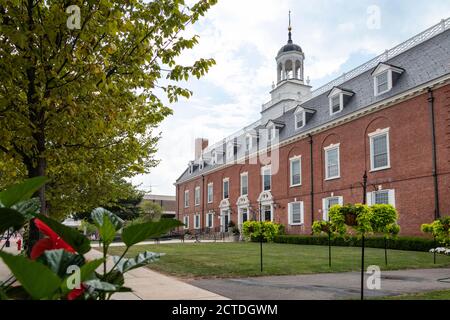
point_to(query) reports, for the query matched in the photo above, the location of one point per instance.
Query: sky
(244, 36)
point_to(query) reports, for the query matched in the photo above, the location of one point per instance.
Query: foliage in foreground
(261, 230)
(57, 267)
(440, 229)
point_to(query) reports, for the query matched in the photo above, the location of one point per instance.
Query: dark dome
(290, 47)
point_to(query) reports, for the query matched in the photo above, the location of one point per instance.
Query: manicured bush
(440, 229)
(400, 243)
(255, 230)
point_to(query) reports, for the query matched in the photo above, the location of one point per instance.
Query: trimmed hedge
(400, 243)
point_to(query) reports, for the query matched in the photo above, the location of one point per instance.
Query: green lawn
(206, 260)
(431, 295)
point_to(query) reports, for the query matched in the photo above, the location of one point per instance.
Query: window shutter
(324, 209)
(392, 197)
(302, 220)
(290, 212)
(369, 198)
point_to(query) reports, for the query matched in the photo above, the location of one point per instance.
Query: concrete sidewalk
(151, 285)
(146, 284)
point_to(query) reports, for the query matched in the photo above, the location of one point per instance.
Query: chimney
(200, 145)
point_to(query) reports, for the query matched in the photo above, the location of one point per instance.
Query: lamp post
(362, 239)
(261, 238)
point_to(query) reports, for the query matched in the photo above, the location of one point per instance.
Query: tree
(81, 105)
(151, 211)
(126, 208)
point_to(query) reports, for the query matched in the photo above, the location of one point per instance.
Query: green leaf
(140, 260)
(107, 230)
(98, 214)
(140, 232)
(38, 280)
(101, 285)
(22, 191)
(74, 238)
(10, 218)
(59, 260)
(28, 208)
(86, 272)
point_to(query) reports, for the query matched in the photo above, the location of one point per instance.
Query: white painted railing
(388, 54)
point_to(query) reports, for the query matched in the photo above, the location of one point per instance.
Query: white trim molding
(291, 160)
(378, 133)
(328, 149)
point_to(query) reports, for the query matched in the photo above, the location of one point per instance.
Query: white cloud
(243, 36)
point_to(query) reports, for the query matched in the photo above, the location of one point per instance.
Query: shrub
(400, 243)
(440, 229)
(384, 219)
(265, 230)
(354, 216)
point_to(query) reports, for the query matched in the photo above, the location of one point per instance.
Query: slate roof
(422, 63)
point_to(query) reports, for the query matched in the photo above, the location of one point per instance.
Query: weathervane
(290, 28)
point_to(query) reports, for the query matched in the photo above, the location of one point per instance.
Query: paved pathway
(146, 284)
(330, 286)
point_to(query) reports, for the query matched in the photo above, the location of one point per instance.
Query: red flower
(75, 293)
(52, 242)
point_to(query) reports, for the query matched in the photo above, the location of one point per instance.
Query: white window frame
(210, 214)
(389, 82)
(210, 194)
(197, 196)
(303, 115)
(372, 160)
(341, 103)
(186, 198)
(198, 219)
(291, 213)
(391, 197)
(271, 132)
(291, 176)
(241, 216)
(325, 205)
(263, 169)
(186, 222)
(328, 149)
(263, 216)
(230, 151)
(250, 142)
(214, 157)
(244, 174)
(223, 188)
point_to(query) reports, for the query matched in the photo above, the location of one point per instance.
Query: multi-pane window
(299, 120)
(244, 184)
(335, 102)
(210, 192)
(214, 157)
(230, 151)
(248, 143)
(295, 169)
(226, 188)
(186, 222)
(197, 196)
(296, 213)
(382, 83)
(332, 165)
(209, 220)
(381, 197)
(328, 203)
(379, 150)
(197, 221)
(266, 178)
(270, 133)
(186, 198)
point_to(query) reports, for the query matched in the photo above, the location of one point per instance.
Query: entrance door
(266, 213)
(243, 216)
(225, 220)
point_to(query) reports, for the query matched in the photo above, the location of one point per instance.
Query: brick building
(388, 119)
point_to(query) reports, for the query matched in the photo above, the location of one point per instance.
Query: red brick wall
(410, 174)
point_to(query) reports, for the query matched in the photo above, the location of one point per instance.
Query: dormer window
(191, 168)
(248, 142)
(201, 164)
(338, 98)
(384, 78)
(214, 157)
(272, 127)
(300, 120)
(230, 151)
(302, 116)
